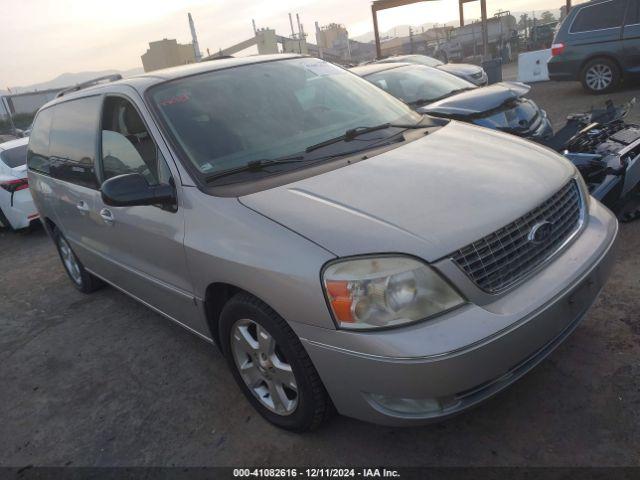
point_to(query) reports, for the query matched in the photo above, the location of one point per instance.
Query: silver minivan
(344, 252)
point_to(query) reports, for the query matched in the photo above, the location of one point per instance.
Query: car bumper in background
(481, 81)
(419, 374)
(19, 210)
(544, 131)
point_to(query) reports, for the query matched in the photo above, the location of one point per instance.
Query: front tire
(80, 278)
(271, 366)
(600, 76)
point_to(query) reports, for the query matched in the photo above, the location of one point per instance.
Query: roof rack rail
(90, 83)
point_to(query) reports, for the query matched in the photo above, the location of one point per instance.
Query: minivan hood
(478, 100)
(427, 198)
(465, 69)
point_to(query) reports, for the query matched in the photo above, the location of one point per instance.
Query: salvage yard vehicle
(598, 44)
(471, 73)
(342, 250)
(606, 151)
(17, 210)
(501, 106)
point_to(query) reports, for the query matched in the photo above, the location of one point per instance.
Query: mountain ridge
(68, 79)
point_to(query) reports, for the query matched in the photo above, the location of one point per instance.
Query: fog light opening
(408, 406)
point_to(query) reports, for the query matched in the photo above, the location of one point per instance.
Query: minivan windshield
(418, 85)
(230, 118)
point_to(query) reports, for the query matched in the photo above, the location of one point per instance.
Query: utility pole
(318, 35)
(376, 32)
(411, 39)
(485, 29)
(293, 33)
(194, 38)
(300, 33)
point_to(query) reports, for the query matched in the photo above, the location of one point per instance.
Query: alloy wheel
(263, 367)
(599, 77)
(69, 260)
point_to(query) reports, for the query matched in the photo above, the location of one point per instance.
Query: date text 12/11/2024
(315, 473)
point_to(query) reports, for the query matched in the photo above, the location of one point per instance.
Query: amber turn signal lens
(340, 299)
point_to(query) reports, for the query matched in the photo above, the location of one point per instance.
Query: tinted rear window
(599, 17)
(73, 141)
(14, 157)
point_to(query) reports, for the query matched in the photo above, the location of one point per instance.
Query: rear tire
(277, 376)
(600, 75)
(80, 278)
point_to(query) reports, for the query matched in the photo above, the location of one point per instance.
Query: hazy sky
(40, 39)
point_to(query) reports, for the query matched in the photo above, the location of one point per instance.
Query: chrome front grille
(503, 258)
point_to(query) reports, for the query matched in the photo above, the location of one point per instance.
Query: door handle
(82, 206)
(106, 216)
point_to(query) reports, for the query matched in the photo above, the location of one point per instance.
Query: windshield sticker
(322, 69)
(175, 100)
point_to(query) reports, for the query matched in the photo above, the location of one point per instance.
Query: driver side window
(127, 146)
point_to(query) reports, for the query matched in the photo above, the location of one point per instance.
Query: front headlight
(380, 292)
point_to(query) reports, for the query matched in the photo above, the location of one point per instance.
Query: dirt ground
(101, 381)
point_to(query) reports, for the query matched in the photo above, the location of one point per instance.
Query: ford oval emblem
(540, 233)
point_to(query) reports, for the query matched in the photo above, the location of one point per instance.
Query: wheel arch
(49, 226)
(216, 297)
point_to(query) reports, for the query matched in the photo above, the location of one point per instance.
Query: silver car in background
(469, 72)
(344, 252)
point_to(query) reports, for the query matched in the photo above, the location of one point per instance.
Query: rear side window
(38, 154)
(599, 17)
(14, 157)
(73, 141)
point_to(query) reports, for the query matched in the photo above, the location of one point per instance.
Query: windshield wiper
(353, 133)
(255, 166)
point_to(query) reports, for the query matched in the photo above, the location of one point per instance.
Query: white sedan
(16, 205)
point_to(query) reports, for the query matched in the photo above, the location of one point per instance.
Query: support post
(485, 29)
(376, 32)
(568, 6)
(461, 5)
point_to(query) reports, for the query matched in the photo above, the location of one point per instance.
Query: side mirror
(132, 189)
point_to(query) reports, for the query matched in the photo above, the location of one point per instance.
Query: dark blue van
(598, 44)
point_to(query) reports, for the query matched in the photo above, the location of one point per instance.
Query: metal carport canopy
(379, 5)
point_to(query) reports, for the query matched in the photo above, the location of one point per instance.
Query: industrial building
(167, 53)
(332, 37)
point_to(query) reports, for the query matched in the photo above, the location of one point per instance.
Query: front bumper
(463, 358)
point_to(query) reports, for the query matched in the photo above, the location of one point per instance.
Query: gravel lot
(100, 380)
